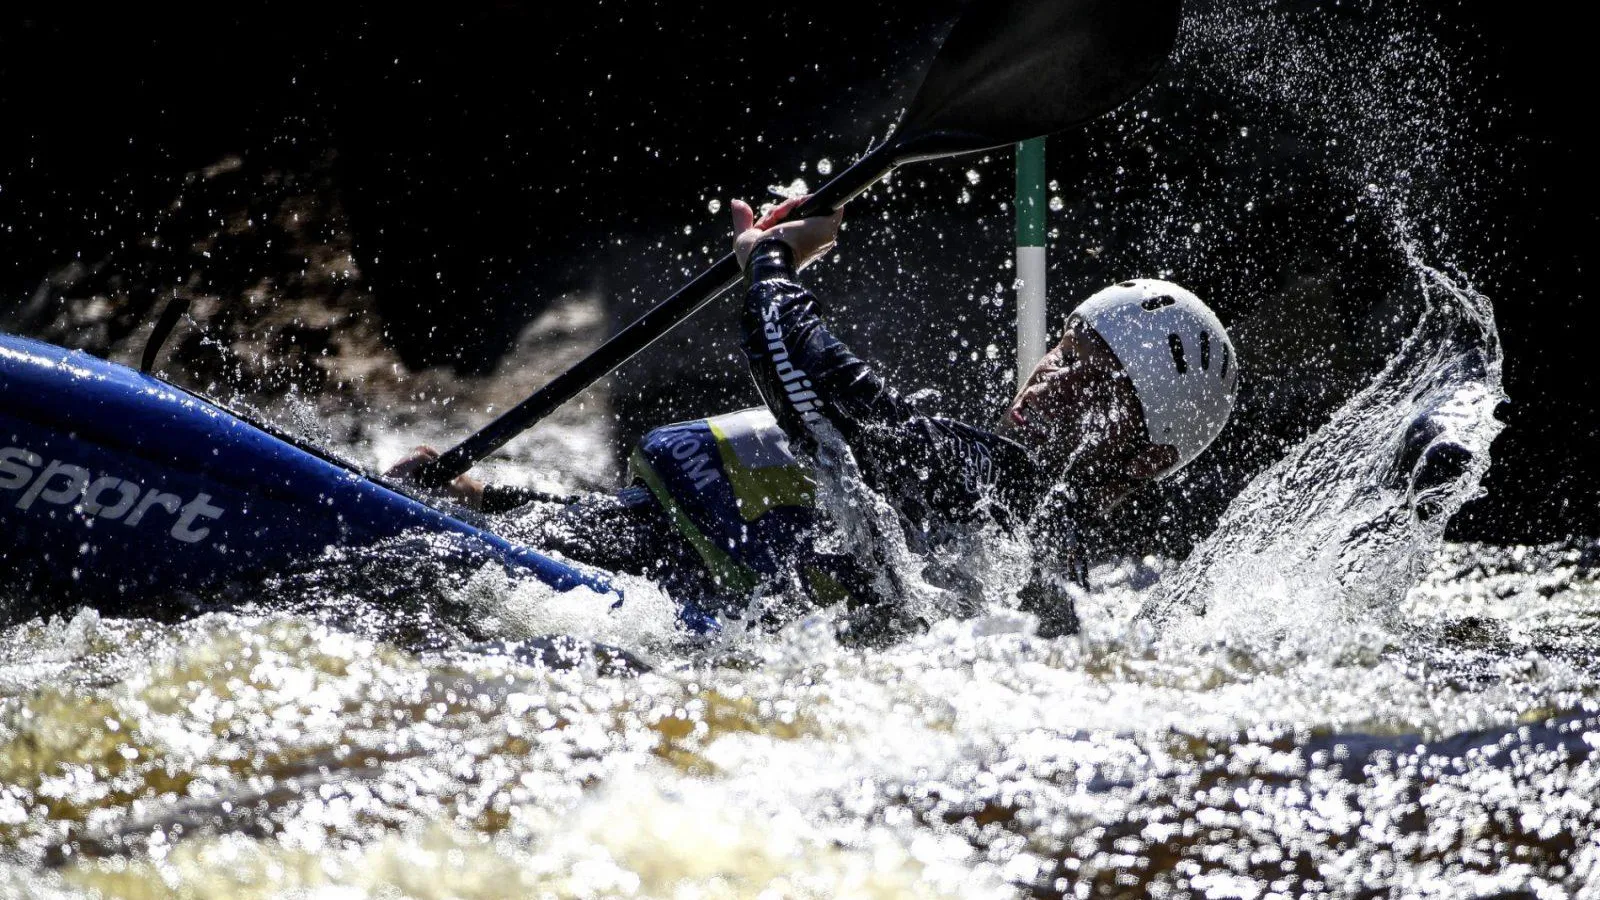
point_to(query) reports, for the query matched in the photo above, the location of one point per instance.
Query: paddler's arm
(466, 490)
(1061, 562)
(804, 373)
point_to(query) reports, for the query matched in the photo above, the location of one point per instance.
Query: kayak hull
(115, 483)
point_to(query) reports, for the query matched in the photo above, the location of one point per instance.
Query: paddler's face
(1078, 406)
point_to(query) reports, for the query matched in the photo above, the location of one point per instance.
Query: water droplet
(715, 206)
(795, 188)
(1056, 205)
(824, 166)
(972, 176)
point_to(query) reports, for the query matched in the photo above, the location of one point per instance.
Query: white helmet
(1177, 355)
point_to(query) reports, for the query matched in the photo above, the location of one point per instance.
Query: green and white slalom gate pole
(1031, 207)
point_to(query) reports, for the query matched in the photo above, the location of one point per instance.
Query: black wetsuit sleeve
(804, 373)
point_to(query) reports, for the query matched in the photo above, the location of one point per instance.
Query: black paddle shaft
(1009, 70)
(643, 332)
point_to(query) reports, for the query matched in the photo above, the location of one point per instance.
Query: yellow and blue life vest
(735, 491)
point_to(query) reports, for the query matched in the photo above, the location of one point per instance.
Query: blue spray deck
(115, 483)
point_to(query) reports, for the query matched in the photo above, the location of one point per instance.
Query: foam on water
(518, 608)
(241, 754)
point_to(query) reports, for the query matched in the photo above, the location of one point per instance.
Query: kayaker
(1141, 382)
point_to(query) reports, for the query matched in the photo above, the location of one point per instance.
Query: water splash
(519, 608)
(956, 572)
(1340, 528)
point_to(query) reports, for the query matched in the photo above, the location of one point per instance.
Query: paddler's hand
(808, 238)
(466, 490)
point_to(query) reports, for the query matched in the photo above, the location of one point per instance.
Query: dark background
(489, 157)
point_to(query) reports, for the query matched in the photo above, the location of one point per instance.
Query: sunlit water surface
(246, 754)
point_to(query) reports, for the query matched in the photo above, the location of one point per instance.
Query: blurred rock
(259, 249)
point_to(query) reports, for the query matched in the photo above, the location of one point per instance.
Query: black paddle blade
(1017, 69)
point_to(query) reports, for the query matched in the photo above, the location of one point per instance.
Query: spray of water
(522, 608)
(1338, 530)
(1329, 538)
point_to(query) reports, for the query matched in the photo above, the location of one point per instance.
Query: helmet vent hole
(1128, 284)
(1155, 303)
(1224, 360)
(1205, 350)
(1177, 353)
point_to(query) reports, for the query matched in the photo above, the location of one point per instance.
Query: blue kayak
(117, 484)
